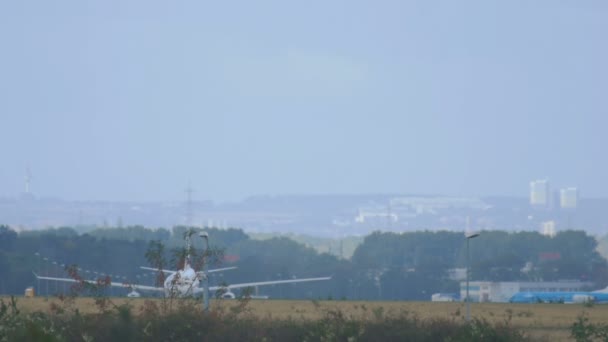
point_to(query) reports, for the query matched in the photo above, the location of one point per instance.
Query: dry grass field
(545, 321)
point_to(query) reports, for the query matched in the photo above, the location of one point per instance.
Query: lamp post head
(203, 274)
(205, 236)
(471, 235)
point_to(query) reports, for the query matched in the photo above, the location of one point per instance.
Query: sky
(133, 100)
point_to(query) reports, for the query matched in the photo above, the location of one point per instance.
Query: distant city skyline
(115, 100)
(540, 193)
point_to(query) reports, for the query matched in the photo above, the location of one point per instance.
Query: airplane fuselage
(182, 283)
(560, 297)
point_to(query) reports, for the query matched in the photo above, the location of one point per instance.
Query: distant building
(375, 217)
(501, 292)
(540, 193)
(568, 198)
(548, 228)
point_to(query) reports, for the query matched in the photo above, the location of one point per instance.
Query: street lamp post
(467, 299)
(64, 284)
(46, 263)
(38, 290)
(205, 236)
(55, 274)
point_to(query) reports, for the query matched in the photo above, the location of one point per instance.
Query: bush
(584, 331)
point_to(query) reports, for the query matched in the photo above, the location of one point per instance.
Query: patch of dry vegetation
(539, 321)
(153, 320)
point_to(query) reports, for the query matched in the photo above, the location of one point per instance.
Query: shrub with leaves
(584, 331)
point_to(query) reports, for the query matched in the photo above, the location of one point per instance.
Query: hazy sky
(126, 100)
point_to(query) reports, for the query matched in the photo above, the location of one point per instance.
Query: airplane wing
(124, 285)
(262, 283)
(172, 271)
(156, 269)
(221, 269)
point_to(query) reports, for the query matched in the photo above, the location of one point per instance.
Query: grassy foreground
(316, 320)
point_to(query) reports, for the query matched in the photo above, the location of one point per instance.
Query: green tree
(7, 237)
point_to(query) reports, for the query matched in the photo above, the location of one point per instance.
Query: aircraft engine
(133, 294)
(228, 295)
(583, 298)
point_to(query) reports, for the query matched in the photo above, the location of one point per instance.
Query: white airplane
(185, 282)
(170, 280)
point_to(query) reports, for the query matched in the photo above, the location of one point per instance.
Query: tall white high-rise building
(548, 228)
(540, 193)
(568, 198)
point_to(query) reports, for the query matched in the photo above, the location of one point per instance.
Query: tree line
(386, 266)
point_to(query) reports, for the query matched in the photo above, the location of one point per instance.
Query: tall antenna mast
(189, 192)
(28, 179)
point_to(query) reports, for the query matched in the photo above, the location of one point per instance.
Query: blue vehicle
(599, 297)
